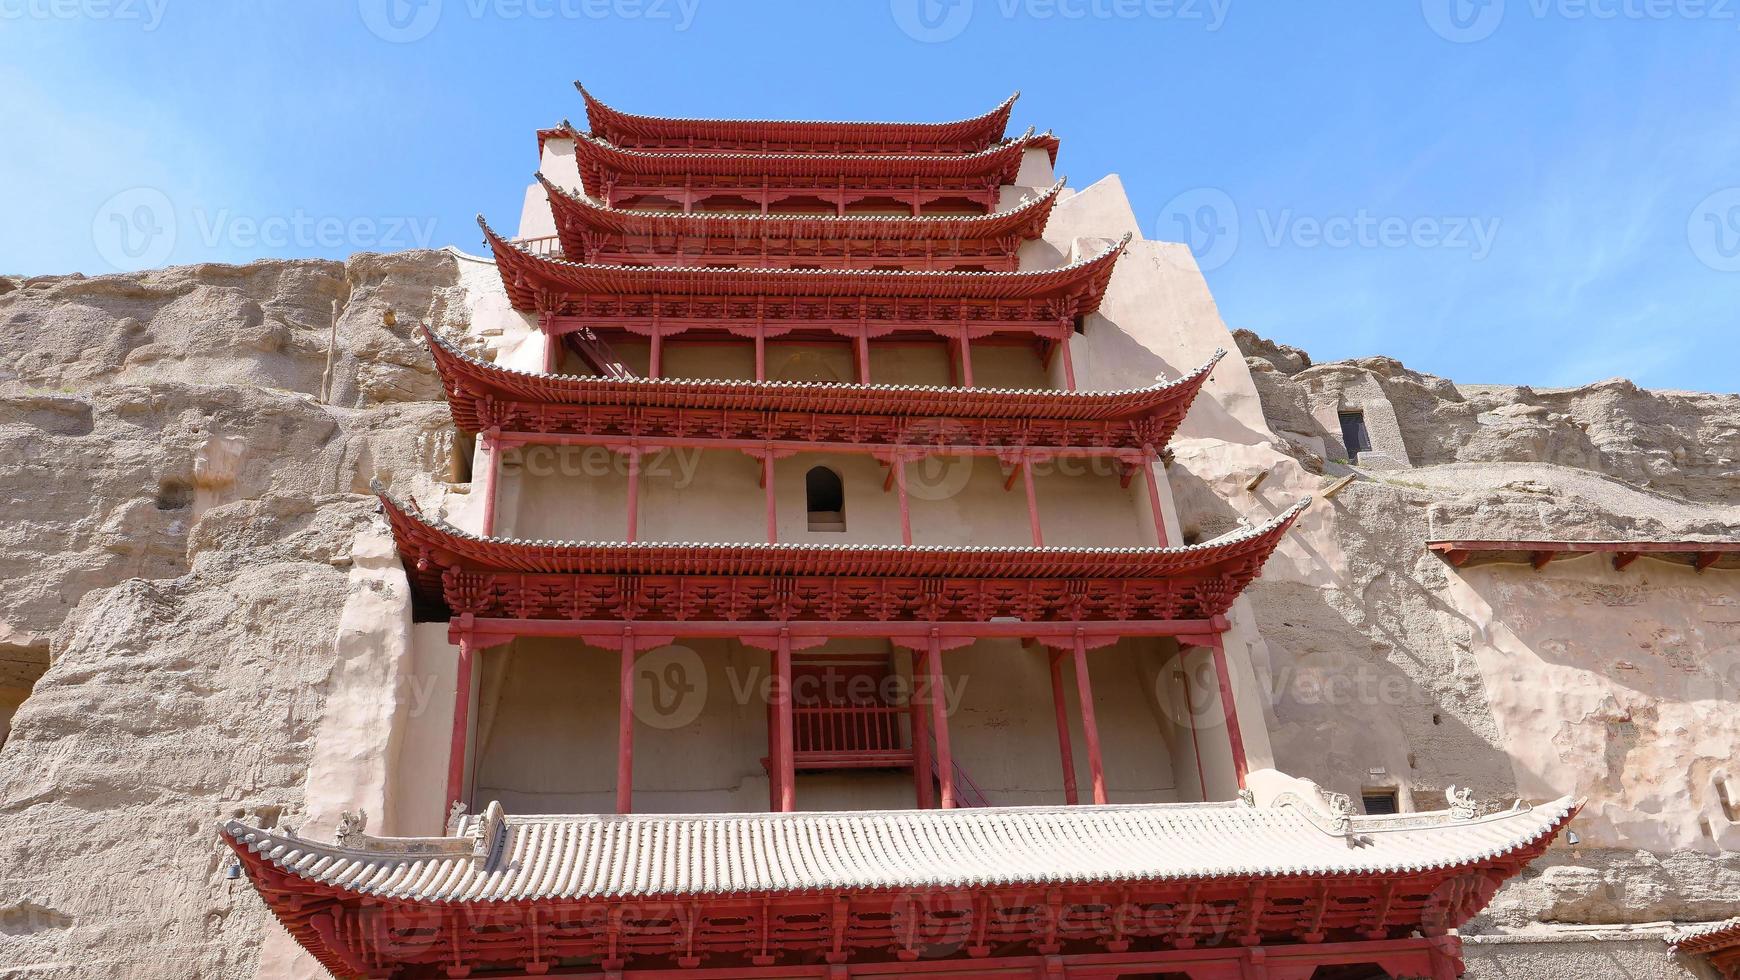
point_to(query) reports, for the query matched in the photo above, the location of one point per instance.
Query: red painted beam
(782, 709)
(1061, 709)
(461, 734)
(945, 764)
(625, 729)
(922, 773)
(1229, 706)
(503, 630)
(1084, 693)
(491, 479)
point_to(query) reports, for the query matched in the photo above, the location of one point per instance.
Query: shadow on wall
(1627, 668)
(1371, 672)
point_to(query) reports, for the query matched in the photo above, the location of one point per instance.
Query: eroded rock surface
(1617, 686)
(181, 507)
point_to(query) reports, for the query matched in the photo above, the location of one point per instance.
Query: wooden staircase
(597, 354)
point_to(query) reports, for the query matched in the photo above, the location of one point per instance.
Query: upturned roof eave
(1029, 218)
(926, 401)
(1088, 275)
(416, 535)
(1491, 842)
(991, 124)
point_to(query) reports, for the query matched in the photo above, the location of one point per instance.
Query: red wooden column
(862, 346)
(767, 486)
(786, 766)
(1060, 705)
(1090, 729)
(654, 356)
(1228, 705)
(920, 717)
(760, 351)
(1068, 363)
(461, 725)
(1032, 501)
(945, 765)
(552, 353)
(491, 478)
(625, 727)
(966, 359)
(633, 492)
(899, 464)
(1152, 479)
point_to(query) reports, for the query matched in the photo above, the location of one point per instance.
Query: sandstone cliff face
(184, 510)
(1616, 686)
(181, 512)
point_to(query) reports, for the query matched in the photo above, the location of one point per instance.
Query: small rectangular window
(1354, 435)
(1379, 802)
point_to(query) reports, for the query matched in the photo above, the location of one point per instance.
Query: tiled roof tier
(1717, 941)
(504, 578)
(660, 132)
(1700, 554)
(447, 544)
(874, 886)
(995, 165)
(536, 283)
(579, 213)
(482, 396)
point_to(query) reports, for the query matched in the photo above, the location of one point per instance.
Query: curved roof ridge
(935, 275)
(998, 147)
(1277, 843)
(1249, 532)
(1001, 107)
(844, 387)
(588, 201)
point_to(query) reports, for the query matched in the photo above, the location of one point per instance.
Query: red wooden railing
(967, 792)
(547, 246)
(848, 730)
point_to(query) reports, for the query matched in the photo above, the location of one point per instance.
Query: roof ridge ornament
(351, 826)
(489, 834)
(1462, 803)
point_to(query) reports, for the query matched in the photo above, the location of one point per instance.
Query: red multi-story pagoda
(890, 266)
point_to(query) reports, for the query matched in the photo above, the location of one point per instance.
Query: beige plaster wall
(546, 728)
(694, 495)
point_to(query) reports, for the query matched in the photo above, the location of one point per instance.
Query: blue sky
(1525, 191)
